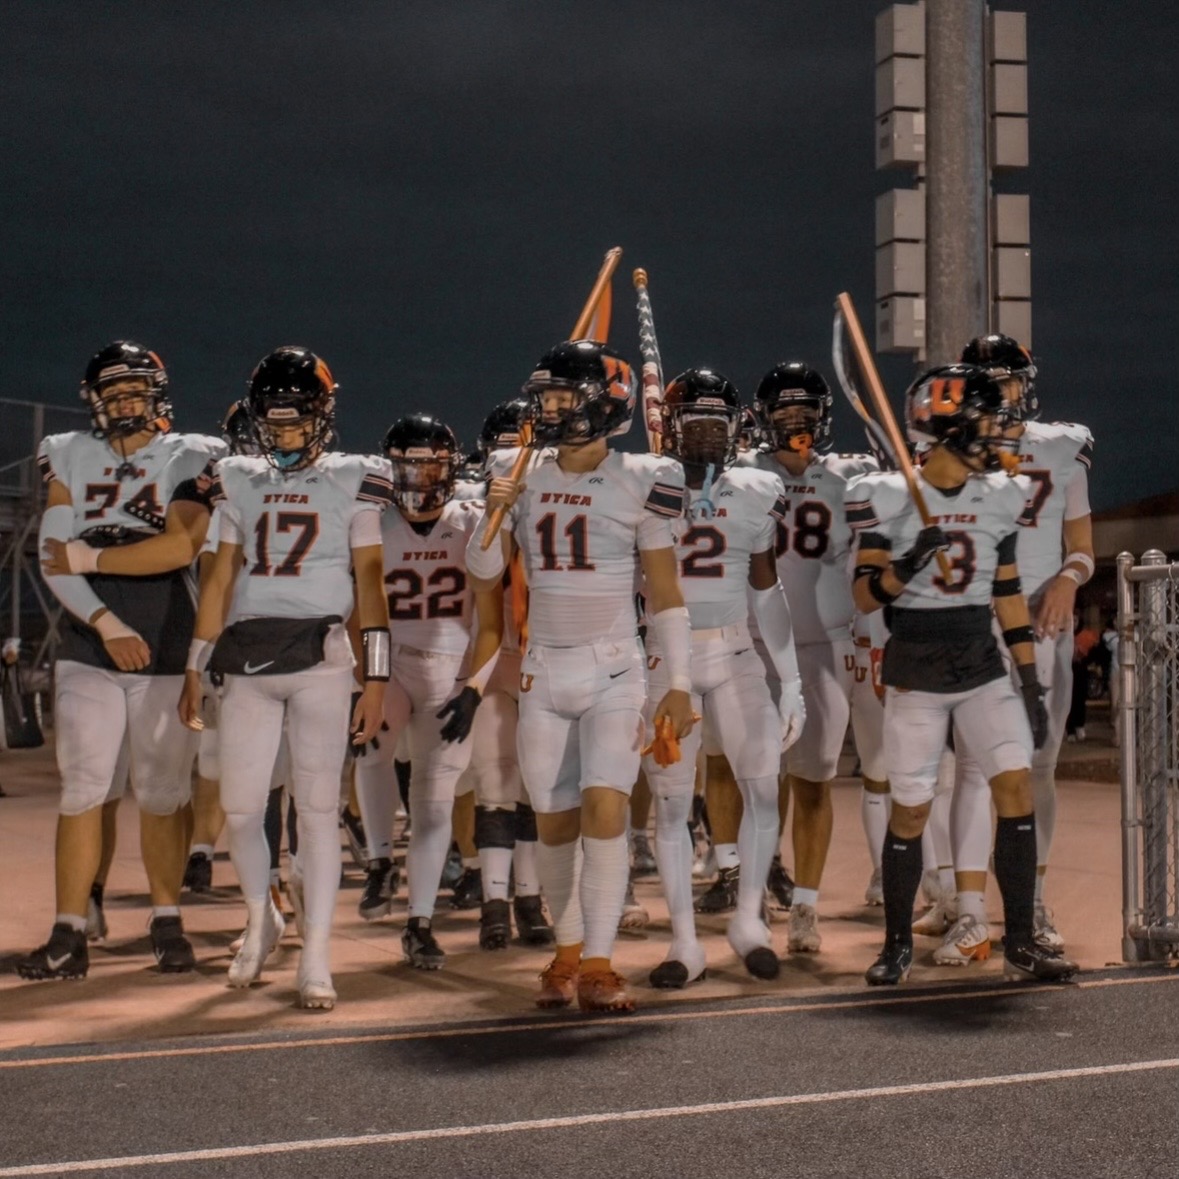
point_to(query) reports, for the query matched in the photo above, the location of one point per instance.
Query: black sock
(96, 891)
(900, 868)
(1015, 874)
(272, 825)
(292, 827)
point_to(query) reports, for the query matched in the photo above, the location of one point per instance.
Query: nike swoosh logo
(56, 963)
(615, 674)
(250, 669)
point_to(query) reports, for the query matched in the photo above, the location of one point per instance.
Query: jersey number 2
(307, 524)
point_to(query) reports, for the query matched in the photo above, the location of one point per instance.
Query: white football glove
(792, 710)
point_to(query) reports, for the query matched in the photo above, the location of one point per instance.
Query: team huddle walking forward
(522, 635)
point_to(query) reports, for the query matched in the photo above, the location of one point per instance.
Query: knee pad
(494, 827)
(525, 823)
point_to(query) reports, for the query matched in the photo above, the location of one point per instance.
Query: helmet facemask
(574, 420)
(277, 430)
(795, 425)
(423, 479)
(105, 395)
(703, 438)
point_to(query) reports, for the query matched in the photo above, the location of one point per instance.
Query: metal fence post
(1131, 822)
(1151, 718)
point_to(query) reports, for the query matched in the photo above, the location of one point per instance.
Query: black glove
(461, 711)
(930, 541)
(1033, 701)
(359, 750)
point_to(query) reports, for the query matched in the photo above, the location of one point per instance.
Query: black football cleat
(780, 885)
(721, 896)
(198, 873)
(382, 879)
(763, 963)
(173, 951)
(468, 890)
(532, 924)
(64, 955)
(495, 927)
(893, 965)
(420, 947)
(1032, 961)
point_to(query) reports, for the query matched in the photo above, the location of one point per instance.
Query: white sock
(1044, 796)
(874, 813)
(1039, 888)
(673, 855)
(604, 877)
(757, 841)
(496, 863)
(524, 864)
(973, 904)
(250, 854)
(806, 896)
(376, 792)
(429, 844)
(319, 859)
(727, 855)
(202, 849)
(72, 920)
(165, 911)
(560, 877)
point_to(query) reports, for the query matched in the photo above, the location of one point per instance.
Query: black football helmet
(292, 387)
(237, 430)
(426, 458)
(503, 426)
(701, 416)
(123, 360)
(1004, 357)
(603, 388)
(789, 386)
(945, 407)
(749, 436)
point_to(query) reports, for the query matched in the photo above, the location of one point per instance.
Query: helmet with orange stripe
(960, 407)
(291, 401)
(580, 391)
(126, 388)
(1011, 364)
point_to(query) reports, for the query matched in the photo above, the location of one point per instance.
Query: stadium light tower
(952, 256)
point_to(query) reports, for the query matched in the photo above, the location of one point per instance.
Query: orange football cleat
(558, 983)
(603, 990)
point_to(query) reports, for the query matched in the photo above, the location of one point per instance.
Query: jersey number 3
(306, 524)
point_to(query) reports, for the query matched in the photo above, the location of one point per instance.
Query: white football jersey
(814, 541)
(426, 578)
(1053, 455)
(107, 489)
(578, 534)
(987, 510)
(295, 529)
(713, 551)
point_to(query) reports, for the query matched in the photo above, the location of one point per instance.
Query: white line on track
(213, 1154)
(854, 1000)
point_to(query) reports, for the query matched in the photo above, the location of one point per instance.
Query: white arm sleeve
(365, 530)
(486, 565)
(1076, 495)
(71, 590)
(230, 527)
(777, 632)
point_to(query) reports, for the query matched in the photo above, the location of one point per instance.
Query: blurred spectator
(1084, 640)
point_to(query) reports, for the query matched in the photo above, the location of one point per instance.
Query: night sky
(422, 192)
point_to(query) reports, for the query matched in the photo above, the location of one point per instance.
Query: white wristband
(673, 632)
(485, 564)
(199, 651)
(110, 626)
(1071, 570)
(81, 557)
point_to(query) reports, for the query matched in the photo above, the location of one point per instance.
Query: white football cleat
(246, 967)
(802, 933)
(1045, 933)
(967, 940)
(874, 893)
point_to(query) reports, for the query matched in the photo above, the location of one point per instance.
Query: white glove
(792, 710)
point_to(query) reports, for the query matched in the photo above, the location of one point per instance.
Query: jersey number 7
(307, 525)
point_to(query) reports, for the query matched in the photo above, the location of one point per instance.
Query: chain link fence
(1148, 667)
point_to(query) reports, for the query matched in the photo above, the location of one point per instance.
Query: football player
(794, 408)
(942, 668)
(121, 654)
(1055, 558)
(725, 552)
(586, 519)
(867, 720)
(505, 823)
(424, 540)
(299, 525)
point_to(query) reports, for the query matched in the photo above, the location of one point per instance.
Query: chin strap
(704, 507)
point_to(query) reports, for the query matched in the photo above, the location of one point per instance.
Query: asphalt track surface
(986, 1079)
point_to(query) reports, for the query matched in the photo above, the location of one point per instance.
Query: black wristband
(1027, 675)
(877, 590)
(1007, 588)
(1019, 634)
